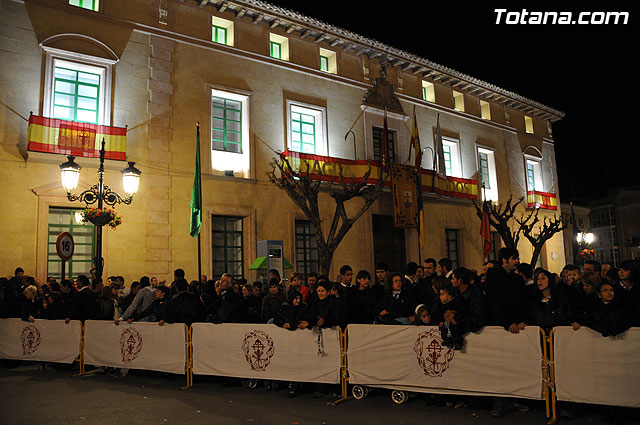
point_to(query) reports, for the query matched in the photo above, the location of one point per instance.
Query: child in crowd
(608, 317)
(422, 318)
(396, 303)
(451, 328)
(271, 302)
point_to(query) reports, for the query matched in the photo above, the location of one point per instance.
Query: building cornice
(311, 28)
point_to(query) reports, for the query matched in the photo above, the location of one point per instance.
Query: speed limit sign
(65, 246)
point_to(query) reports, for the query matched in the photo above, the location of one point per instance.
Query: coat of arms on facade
(30, 340)
(130, 344)
(433, 357)
(258, 350)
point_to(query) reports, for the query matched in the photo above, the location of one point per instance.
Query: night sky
(584, 71)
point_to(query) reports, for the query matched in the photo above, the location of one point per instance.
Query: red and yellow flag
(52, 135)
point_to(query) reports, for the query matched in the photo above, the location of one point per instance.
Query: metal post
(98, 261)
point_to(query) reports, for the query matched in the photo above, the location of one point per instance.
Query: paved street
(51, 396)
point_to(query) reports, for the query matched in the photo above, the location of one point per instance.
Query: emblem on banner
(258, 350)
(30, 340)
(130, 344)
(433, 357)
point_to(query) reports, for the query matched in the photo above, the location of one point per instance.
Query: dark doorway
(388, 243)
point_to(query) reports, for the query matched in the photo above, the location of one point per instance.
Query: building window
(377, 144)
(307, 128)
(528, 124)
(86, 4)
(451, 239)
(278, 47)
(226, 124)
(451, 157)
(70, 220)
(485, 110)
(328, 61)
(230, 146)
(306, 248)
(222, 31)
(428, 91)
(488, 174)
(534, 176)
(227, 246)
(77, 87)
(458, 101)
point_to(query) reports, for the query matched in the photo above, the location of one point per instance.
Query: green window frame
(377, 144)
(86, 4)
(307, 259)
(448, 166)
(531, 177)
(324, 63)
(303, 132)
(219, 34)
(451, 239)
(227, 239)
(483, 160)
(226, 124)
(275, 50)
(76, 95)
(64, 220)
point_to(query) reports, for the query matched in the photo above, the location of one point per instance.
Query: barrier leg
(552, 380)
(344, 376)
(188, 370)
(81, 371)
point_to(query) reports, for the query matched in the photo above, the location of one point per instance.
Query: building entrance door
(388, 243)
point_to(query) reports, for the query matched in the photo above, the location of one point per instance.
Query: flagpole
(200, 194)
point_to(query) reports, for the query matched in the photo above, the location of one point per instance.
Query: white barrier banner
(590, 368)
(266, 352)
(493, 362)
(42, 340)
(140, 345)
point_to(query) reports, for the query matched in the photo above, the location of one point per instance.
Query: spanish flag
(62, 137)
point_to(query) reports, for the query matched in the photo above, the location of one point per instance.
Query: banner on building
(547, 201)
(42, 340)
(266, 352)
(140, 345)
(51, 135)
(590, 368)
(403, 189)
(412, 358)
(330, 169)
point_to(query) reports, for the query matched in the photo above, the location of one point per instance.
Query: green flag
(196, 193)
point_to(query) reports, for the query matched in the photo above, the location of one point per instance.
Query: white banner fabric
(590, 368)
(140, 345)
(266, 352)
(492, 362)
(42, 340)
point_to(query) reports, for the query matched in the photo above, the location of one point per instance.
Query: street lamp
(100, 193)
(585, 238)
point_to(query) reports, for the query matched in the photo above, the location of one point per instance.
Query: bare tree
(538, 232)
(499, 218)
(304, 189)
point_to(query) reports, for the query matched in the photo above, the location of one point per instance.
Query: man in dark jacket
(475, 316)
(84, 302)
(228, 308)
(184, 307)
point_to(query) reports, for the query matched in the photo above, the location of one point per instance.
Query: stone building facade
(256, 77)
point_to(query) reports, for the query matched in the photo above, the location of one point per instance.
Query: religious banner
(403, 189)
(329, 169)
(139, 345)
(590, 368)
(412, 358)
(41, 340)
(264, 351)
(51, 135)
(547, 201)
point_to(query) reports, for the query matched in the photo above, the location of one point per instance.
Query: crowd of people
(505, 293)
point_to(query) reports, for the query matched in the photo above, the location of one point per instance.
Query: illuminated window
(528, 124)
(428, 91)
(86, 4)
(458, 101)
(534, 175)
(222, 31)
(485, 110)
(307, 129)
(70, 220)
(488, 175)
(230, 146)
(227, 246)
(328, 61)
(452, 157)
(278, 47)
